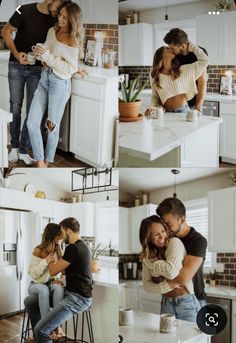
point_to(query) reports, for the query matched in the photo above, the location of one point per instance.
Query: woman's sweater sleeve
(37, 269)
(63, 66)
(170, 267)
(202, 59)
(150, 286)
(154, 98)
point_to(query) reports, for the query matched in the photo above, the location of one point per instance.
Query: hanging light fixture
(166, 15)
(93, 180)
(175, 172)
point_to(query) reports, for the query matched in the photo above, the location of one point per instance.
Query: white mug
(168, 323)
(31, 59)
(126, 316)
(39, 45)
(192, 115)
(157, 112)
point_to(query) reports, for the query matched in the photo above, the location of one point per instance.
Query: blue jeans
(18, 76)
(44, 292)
(202, 302)
(184, 307)
(183, 109)
(52, 94)
(73, 303)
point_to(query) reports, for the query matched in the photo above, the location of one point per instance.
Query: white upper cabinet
(99, 12)
(216, 34)
(124, 230)
(136, 45)
(222, 220)
(227, 133)
(84, 213)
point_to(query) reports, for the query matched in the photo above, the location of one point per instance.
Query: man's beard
(66, 240)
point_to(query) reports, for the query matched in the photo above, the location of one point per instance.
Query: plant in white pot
(98, 250)
(129, 105)
(6, 173)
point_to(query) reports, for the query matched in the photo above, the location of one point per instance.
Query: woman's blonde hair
(158, 66)
(149, 250)
(77, 31)
(48, 244)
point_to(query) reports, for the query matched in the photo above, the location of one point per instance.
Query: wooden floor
(10, 329)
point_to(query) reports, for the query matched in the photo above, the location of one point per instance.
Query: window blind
(107, 226)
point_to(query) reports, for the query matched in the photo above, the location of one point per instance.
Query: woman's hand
(148, 113)
(82, 72)
(173, 284)
(50, 259)
(58, 282)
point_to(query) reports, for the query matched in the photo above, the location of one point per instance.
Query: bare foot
(30, 340)
(40, 164)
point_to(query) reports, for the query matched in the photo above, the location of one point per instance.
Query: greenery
(7, 172)
(97, 251)
(232, 177)
(214, 275)
(223, 5)
(130, 94)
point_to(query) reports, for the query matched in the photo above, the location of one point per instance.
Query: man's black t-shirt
(195, 245)
(189, 59)
(79, 273)
(32, 27)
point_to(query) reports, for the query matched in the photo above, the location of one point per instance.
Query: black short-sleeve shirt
(189, 59)
(195, 245)
(32, 27)
(79, 273)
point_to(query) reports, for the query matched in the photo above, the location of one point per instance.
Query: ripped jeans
(52, 94)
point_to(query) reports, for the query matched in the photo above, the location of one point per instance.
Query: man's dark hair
(176, 36)
(70, 223)
(171, 206)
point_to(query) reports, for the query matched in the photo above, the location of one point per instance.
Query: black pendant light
(166, 15)
(175, 172)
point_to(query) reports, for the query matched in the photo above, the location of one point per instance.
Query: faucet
(110, 249)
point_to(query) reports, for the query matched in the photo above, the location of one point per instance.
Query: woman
(42, 285)
(163, 256)
(60, 56)
(172, 86)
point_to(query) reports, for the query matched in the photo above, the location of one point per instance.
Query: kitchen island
(5, 118)
(104, 310)
(146, 329)
(170, 142)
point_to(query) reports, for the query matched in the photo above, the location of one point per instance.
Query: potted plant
(223, 5)
(95, 261)
(213, 277)
(6, 173)
(129, 105)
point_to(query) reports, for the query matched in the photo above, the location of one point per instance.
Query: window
(107, 224)
(197, 217)
(189, 26)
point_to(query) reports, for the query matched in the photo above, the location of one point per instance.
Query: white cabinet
(137, 214)
(84, 213)
(149, 302)
(216, 33)
(42, 206)
(61, 211)
(99, 12)
(136, 45)
(11, 198)
(124, 231)
(93, 117)
(227, 134)
(122, 295)
(222, 220)
(5, 96)
(233, 323)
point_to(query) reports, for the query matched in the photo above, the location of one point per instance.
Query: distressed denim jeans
(52, 95)
(45, 293)
(184, 307)
(20, 76)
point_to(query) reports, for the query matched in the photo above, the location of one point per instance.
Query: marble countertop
(221, 292)
(4, 55)
(152, 138)
(146, 329)
(107, 277)
(5, 117)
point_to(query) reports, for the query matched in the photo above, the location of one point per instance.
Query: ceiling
(139, 5)
(149, 179)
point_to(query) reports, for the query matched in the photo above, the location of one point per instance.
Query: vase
(95, 266)
(6, 182)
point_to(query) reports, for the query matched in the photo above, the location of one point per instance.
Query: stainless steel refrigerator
(20, 232)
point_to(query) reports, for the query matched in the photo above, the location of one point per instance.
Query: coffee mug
(126, 316)
(192, 115)
(31, 59)
(38, 45)
(168, 323)
(157, 112)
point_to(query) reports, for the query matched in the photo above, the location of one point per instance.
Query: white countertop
(4, 55)
(5, 117)
(107, 277)
(146, 330)
(152, 138)
(221, 292)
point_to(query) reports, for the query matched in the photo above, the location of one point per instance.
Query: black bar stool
(26, 328)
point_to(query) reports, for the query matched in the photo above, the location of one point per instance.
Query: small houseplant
(96, 253)
(5, 174)
(213, 277)
(129, 105)
(223, 5)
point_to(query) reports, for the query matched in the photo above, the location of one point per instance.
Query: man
(178, 41)
(31, 27)
(172, 211)
(76, 262)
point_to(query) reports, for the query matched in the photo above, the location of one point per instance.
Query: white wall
(192, 190)
(98, 197)
(7, 8)
(179, 12)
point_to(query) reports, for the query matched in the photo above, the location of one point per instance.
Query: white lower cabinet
(5, 95)
(149, 302)
(222, 220)
(233, 323)
(227, 134)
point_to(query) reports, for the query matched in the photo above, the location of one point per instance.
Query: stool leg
(23, 326)
(82, 331)
(90, 327)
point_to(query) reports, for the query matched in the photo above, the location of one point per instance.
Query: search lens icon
(211, 319)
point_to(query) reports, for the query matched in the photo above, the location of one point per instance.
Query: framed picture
(226, 85)
(93, 53)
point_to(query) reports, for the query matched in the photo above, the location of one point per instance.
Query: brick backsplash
(228, 276)
(214, 74)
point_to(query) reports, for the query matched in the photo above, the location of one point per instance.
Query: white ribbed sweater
(169, 268)
(62, 58)
(184, 84)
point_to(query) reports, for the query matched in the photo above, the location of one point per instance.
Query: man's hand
(21, 58)
(157, 279)
(82, 72)
(173, 284)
